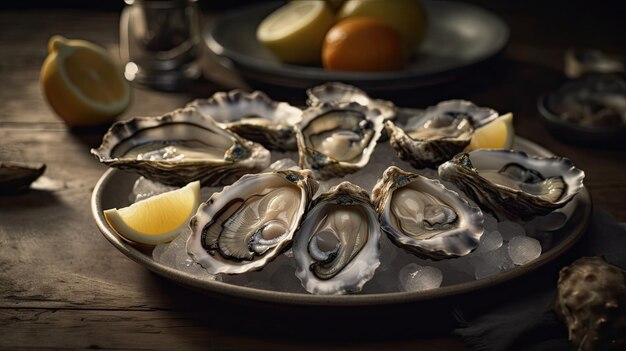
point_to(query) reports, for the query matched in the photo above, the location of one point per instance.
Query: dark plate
(114, 186)
(459, 36)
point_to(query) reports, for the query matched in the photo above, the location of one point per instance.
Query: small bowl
(613, 136)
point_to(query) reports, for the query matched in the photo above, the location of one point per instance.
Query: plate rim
(254, 66)
(227, 290)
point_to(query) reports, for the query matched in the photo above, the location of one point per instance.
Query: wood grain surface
(63, 286)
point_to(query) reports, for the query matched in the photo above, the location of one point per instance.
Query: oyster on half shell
(180, 147)
(254, 116)
(249, 223)
(424, 217)
(437, 134)
(335, 139)
(340, 92)
(337, 248)
(513, 185)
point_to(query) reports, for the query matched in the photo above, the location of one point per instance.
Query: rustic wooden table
(62, 285)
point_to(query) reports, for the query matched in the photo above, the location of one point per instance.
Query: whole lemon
(82, 82)
(363, 44)
(406, 16)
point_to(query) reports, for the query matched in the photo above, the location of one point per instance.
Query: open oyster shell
(339, 92)
(250, 222)
(254, 116)
(513, 185)
(437, 134)
(337, 248)
(335, 139)
(180, 147)
(422, 216)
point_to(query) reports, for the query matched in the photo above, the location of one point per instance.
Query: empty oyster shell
(422, 216)
(440, 132)
(337, 248)
(591, 297)
(254, 116)
(513, 185)
(335, 139)
(180, 147)
(250, 222)
(339, 92)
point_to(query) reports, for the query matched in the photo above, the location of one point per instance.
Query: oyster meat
(254, 116)
(337, 248)
(513, 185)
(340, 92)
(424, 217)
(335, 139)
(180, 147)
(437, 134)
(250, 222)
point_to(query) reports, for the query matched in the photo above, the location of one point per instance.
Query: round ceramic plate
(114, 186)
(459, 36)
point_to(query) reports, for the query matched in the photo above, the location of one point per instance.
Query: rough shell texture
(479, 116)
(17, 176)
(178, 127)
(427, 152)
(591, 298)
(340, 92)
(351, 256)
(456, 236)
(316, 121)
(238, 212)
(465, 169)
(254, 116)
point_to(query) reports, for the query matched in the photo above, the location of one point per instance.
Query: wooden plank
(167, 330)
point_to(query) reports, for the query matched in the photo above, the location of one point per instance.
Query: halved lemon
(295, 32)
(82, 82)
(157, 219)
(498, 134)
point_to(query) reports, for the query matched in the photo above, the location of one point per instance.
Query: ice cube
(489, 241)
(419, 278)
(490, 222)
(145, 188)
(510, 229)
(491, 263)
(523, 249)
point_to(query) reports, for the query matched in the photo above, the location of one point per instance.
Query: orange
(363, 44)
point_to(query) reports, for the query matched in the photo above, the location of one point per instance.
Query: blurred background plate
(459, 36)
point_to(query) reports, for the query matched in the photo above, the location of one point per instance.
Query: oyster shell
(591, 298)
(17, 176)
(437, 134)
(340, 92)
(180, 147)
(337, 248)
(254, 116)
(513, 185)
(250, 222)
(422, 216)
(335, 139)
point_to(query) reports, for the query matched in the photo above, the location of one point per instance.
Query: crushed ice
(503, 246)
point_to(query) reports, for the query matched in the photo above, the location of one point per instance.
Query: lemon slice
(498, 134)
(157, 219)
(82, 82)
(295, 32)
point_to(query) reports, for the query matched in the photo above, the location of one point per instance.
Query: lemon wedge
(82, 82)
(295, 32)
(498, 134)
(157, 219)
